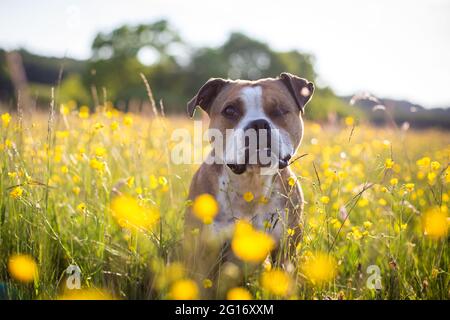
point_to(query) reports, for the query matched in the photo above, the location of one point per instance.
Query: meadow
(376, 213)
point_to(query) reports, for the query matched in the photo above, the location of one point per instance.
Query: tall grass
(67, 165)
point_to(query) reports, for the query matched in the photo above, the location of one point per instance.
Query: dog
(273, 107)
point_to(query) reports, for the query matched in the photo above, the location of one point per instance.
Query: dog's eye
(278, 112)
(230, 112)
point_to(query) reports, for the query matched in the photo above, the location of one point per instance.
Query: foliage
(325, 104)
(174, 69)
(72, 89)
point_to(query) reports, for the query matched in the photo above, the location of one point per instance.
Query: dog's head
(260, 121)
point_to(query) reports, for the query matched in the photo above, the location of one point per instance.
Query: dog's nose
(261, 143)
(259, 124)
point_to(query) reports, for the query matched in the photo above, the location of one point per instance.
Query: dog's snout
(261, 143)
(261, 128)
(260, 124)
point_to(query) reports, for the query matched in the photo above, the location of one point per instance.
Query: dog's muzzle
(261, 148)
(241, 168)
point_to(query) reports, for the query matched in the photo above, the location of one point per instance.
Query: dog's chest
(265, 209)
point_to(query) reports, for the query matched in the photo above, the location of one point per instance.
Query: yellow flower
(445, 197)
(290, 232)
(276, 282)
(12, 175)
(409, 187)
(393, 181)
(205, 208)
(184, 289)
(250, 245)
(81, 207)
(97, 165)
(162, 181)
(6, 119)
(431, 176)
(86, 294)
(130, 182)
(138, 190)
(16, 192)
(128, 120)
(130, 214)
(335, 223)
(324, 199)
(84, 112)
(389, 163)
(423, 162)
(356, 234)
(207, 283)
(62, 134)
(76, 190)
(320, 268)
(435, 223)
(367, 224)
(291, 181)
(349, 121)
(435, 165)
(363, 202)
(239, 293)
(8, 143)
(100, 151)
(248, 196)
(114, 125)
(81, 151)
(22, 268)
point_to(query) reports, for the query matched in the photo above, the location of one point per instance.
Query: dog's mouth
(278, 163)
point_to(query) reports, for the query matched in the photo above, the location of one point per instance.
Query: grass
(57, 175)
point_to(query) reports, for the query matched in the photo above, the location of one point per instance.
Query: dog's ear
(300, 89)
(206, 95)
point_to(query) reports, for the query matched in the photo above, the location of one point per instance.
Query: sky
(391, 48)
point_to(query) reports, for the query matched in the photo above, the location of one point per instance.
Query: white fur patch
(253, 105)
(233, 207)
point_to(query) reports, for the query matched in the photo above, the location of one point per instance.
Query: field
(376, 228)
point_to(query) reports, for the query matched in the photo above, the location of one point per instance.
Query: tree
(115, 64)
(245, 58)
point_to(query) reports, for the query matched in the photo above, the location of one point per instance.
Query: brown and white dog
(272, 105)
